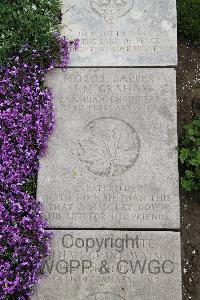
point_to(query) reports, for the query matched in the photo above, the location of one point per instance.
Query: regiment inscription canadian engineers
(122, 32)
(112, 265)
(112, 160)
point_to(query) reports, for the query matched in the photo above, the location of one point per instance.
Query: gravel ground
(188, 89)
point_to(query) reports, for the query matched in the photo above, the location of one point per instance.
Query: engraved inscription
(112, 265)
(116, 168)
(111, 10)
(108, 146)
(104, 296)
(122, 32)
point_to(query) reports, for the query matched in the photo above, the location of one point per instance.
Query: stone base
(112, 265)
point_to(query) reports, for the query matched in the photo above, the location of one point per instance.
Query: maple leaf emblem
(108, 147)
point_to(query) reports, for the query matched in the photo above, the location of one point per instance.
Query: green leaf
(190, 155)
(189, 174)
(186, 184)
(184, 153)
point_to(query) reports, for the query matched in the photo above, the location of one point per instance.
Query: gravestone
(112, 265)
(112, 160)
(122, 32)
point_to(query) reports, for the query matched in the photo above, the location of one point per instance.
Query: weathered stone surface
(112, 265)
(122, 33)
(112, 160)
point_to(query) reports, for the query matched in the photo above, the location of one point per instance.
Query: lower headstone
(112, 265)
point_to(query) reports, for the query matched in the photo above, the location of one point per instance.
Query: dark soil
(188, 89)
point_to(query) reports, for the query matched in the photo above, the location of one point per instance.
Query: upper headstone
(122, 32)
(112, 160)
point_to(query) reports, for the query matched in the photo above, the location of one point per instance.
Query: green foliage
(30, 186)
(190, 156)
(189, 19)
(30, 22)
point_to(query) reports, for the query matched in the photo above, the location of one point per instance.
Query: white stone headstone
(122, 33)
(112, 265)
(112, 160)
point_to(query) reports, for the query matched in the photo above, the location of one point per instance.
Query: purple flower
(26, 121)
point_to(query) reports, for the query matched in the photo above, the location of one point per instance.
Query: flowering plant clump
(28, 22)
(23, 243)
(26, 121)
